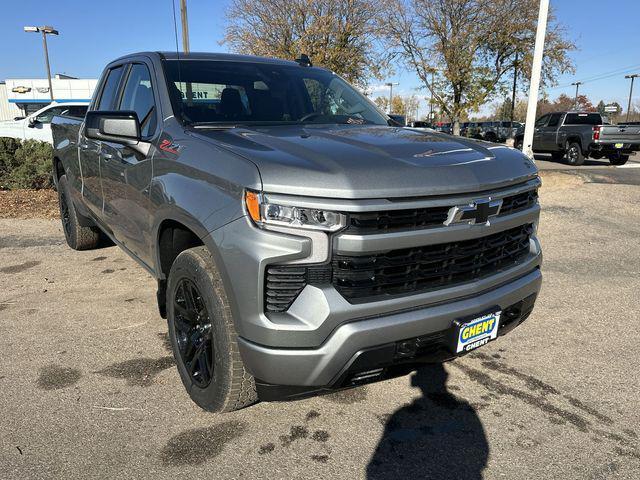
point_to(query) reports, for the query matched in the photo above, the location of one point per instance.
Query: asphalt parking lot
(89, 387)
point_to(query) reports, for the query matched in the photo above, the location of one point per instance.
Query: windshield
(220, 92)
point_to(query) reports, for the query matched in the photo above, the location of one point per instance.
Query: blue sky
(93, 33)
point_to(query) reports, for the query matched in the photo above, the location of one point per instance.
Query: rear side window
(583, 119)
(138, 97)
(110, 90)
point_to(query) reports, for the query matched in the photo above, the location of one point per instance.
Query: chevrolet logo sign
(476, 213)
(20, 89)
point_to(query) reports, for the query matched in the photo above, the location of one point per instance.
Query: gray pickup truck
(301, 242)
(580, 135)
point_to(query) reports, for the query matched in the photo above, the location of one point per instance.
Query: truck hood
(356, 162)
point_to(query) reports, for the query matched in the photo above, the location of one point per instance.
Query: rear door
(548, 133)
(89, 150)
(537, 133)
(126, 173)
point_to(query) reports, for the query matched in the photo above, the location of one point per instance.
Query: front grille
(517, 203)
(414, 270)
(363, 223)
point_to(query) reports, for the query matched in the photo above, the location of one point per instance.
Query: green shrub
(25, 164)
(8, 147)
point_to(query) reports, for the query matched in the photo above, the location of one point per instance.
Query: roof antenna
(304, 60)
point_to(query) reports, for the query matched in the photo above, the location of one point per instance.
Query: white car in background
(37, 126)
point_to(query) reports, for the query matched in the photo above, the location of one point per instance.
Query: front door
(126, 173)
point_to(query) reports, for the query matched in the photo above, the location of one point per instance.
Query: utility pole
(632, 77)
(185, 26)
(575, 101)
(535, 78)
(45, 30)
(431, 100)
(390, 85)
(513, 92)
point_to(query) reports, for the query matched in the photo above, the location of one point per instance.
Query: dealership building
(21, 97)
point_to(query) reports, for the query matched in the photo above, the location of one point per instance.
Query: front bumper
(325, 366)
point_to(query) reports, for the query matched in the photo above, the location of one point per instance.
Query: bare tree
(340, 35)
(470, 45)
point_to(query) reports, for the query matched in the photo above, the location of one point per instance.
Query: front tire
(77, 236)
(203, 336)
(618, 159)
(574, 154)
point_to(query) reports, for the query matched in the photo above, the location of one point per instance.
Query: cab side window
(47, 116)
(542, 121)
(138, 97)
(110, 89)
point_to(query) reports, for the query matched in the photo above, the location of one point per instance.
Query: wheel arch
(57, 169)
(574, 139)
(176, 232)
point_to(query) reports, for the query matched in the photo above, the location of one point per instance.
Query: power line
(600, 76)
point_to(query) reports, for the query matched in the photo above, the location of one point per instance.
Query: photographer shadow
(438, 436)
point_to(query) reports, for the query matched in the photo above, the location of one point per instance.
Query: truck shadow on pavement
(436, 436)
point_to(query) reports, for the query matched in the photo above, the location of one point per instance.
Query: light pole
(534, 84)
(390, 85)
(185, 26)
(632, 77)
(575, 100)
(45, 30)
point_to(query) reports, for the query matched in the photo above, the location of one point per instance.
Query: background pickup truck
(37, 126)
(302, 241)
(580, 135)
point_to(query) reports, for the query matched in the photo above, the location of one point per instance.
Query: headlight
(264, 214)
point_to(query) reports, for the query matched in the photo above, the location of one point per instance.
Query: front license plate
(619, 145)
(477, 332)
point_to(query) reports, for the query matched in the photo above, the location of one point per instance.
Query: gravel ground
(89, 388)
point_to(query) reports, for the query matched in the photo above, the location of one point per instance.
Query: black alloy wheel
(574, 154)
(193, 332)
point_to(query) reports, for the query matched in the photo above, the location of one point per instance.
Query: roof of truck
(173, 55)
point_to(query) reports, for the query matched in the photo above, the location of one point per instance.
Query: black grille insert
(419, 218)
(414, 270)
(285, 282)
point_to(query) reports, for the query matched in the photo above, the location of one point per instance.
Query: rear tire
(574, 154)
(517, 144)
(77, 236)
(618, 159)
(203, 336)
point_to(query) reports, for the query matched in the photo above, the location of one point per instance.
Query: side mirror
(32, 122)
(113, 126)
(397, 120)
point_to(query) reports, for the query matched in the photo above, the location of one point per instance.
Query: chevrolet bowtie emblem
(20, 89)
(476, 213)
